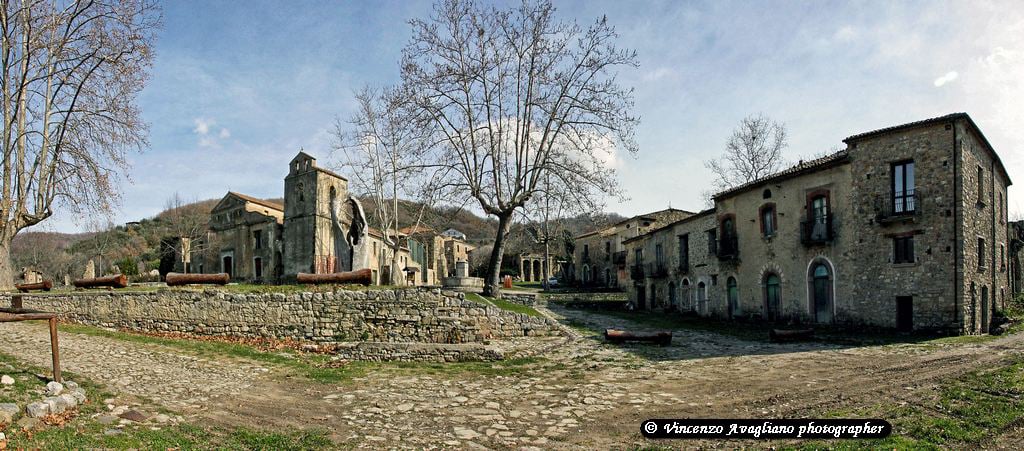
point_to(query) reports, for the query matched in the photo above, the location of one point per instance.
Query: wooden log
(175, 279)
(358, 277)
(45, 285)
(779, 335)
(118, 281)
(663, 338)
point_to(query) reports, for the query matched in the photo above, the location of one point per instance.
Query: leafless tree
(382, 149)
(516, 95)
(753, 151)
(70, 71)
(189, 223)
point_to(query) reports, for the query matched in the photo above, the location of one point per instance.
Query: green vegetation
(969, 411)
(26, 386)
(502, 304)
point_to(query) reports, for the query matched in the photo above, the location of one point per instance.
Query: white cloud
(845, 33)
(224, 133)
(950, 76)
(203, 125)
(658, 74)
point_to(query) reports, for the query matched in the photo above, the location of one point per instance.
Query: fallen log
(45, 285)
(118, 281)
(175, 279)
(618, 336)
(358, 277)
(780, 335)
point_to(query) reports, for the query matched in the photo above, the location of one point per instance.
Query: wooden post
(54, 350)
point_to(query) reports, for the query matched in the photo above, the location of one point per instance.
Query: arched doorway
(686, 296)
(702, 299)
(772, 296)
(673, 300)
(985, 310)
(732, 292)
(538, 273)
(228, 266)
(586, 275)
(820, 278)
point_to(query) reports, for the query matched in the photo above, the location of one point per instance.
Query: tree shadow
(696, 337)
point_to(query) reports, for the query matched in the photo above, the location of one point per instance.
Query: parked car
(553, 282)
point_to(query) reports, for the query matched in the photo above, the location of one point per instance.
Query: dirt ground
(581, 394)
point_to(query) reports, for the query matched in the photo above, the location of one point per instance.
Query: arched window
(772, 296)
(733, 295)
(767, 194)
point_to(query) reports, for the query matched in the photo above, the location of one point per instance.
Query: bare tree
(753, 151)
(383, 149)
(515, 96)
(189, 223)
(71, 71)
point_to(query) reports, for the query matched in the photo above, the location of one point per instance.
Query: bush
(128, 266)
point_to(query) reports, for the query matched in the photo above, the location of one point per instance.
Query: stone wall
(395, 316)
(417, 352)
(528, 299)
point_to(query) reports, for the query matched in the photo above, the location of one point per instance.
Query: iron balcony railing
(817, 230)
(728, 248)
(636, 272)
(657, 270)
(899, 204)
(619, 258)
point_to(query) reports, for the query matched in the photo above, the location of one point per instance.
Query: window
(257, 239)
(586, 251)
(981, 185)
(903, 200)
(607, 250)
(684, 251)
(712, 241)
(819, 224)
(768, 220)
(981, 253)
(659, 255)
(638, 256)
(767, 194)
(1002, 257)
(903, 249)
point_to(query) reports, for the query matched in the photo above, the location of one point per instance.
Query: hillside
(137, 247)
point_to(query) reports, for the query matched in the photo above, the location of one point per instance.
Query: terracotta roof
(255, 200)
(695, 216)
(939, 119)
(800, 168)
(417, 230)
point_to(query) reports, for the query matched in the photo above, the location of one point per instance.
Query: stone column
(522, 273)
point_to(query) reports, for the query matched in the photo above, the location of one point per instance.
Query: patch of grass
(27, 387)
(970, 410)
(309, 366)
(84, 433)
(502, 304)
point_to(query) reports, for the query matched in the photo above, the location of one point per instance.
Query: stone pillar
(522, 273)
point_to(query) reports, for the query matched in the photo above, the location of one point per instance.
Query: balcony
(657, 270)
(619, 258)
(898, 207)
(728, 248)
(817, 230)
(636, 272)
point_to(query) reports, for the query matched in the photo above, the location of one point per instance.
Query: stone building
(599, 259)
(532, 266)
(904, 228)
(319, 229)
(456, 253)
(247, 233)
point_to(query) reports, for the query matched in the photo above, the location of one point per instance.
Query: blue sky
(238, 87)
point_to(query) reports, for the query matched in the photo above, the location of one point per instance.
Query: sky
(239, 87)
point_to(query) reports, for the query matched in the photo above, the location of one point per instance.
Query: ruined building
(319, 229)
(905, 228)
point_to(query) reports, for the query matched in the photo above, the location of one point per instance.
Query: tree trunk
(6, 266)
(492, 286)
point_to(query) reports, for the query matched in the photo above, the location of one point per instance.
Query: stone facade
(599, 259)
(411, 315)
(894, 231)
(533, 267)
(246, 234)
